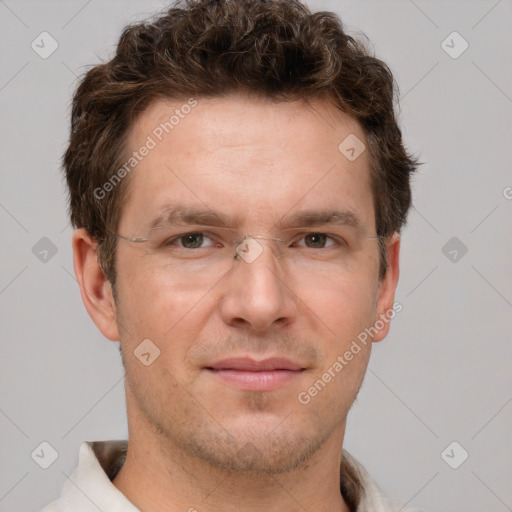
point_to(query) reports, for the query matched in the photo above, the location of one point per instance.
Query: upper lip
(249, 364)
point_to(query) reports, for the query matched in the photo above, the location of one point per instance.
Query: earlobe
(385, 310)
(95, 289)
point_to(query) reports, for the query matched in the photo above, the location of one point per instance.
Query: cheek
(342, 311)
(152, 305)
(341, 306)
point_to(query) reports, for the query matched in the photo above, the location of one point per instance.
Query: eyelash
(336, 239)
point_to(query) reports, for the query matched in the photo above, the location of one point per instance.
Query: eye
(189, 240)
(319, 240)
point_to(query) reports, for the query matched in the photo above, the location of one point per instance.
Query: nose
(256, 294)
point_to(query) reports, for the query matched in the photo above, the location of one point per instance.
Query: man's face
(260, 163)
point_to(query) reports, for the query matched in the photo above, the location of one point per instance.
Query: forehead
(246, 156)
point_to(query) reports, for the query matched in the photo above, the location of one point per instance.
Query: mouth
(251, 375)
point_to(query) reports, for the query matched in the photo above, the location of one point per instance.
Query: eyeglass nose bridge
(249, 251)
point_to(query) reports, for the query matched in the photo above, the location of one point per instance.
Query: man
(238, 183)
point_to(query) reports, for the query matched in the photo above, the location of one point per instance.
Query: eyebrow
(181, 214)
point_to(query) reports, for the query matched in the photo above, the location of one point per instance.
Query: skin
(194, 441)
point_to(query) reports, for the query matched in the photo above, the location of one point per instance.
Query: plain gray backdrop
(442, 375)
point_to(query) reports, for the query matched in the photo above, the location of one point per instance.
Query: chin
(256, 444)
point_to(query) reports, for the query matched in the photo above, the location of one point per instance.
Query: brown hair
(277, 49)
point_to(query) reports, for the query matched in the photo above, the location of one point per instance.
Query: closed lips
(251, 365)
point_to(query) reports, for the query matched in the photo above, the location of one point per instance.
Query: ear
(384, 309)
(96, 291)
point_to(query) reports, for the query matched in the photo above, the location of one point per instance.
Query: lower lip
(257, 381)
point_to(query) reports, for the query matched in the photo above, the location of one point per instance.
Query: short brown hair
(277, 49)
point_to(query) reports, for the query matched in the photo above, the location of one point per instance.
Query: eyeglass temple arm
(130, 239)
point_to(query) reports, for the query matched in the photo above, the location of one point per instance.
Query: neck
(158, 476)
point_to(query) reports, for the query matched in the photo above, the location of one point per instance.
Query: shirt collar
(89, 488)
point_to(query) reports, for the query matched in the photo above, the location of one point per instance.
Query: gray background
(442, 375)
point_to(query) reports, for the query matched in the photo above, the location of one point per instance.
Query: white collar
(89, 487)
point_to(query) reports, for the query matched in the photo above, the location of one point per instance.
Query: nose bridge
(255, 294)
(253, 246)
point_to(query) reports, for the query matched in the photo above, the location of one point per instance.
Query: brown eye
(316, 240)
(192, 240)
